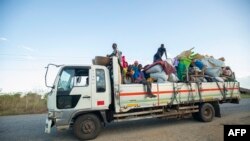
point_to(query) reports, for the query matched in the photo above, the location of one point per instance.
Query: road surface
(31, 127)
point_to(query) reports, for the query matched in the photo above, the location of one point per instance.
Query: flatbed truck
(87, 98)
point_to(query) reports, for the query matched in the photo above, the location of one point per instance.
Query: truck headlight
(55, 114)
(58, 114)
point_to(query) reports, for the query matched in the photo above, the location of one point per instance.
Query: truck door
(100, 89)
(73, 90)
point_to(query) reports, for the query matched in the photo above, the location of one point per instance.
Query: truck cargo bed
(134, 96)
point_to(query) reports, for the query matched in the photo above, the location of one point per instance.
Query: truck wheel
(87, 127)
(206, 112)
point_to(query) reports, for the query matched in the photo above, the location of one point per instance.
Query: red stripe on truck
(171, 92)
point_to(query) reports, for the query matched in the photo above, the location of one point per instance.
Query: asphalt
(31, 127)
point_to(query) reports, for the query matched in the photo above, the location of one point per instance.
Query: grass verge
(31, 103)
(244, 96)
(14, 104)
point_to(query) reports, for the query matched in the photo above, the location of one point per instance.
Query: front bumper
(48, 125)
(59, 119)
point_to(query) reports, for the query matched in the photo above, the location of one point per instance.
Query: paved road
(31, 127)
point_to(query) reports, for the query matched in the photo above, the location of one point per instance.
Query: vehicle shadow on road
(141, 127)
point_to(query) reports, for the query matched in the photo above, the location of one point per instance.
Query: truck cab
(76, 90)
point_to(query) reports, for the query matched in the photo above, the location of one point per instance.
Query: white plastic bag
(154, 69)
(214, 72)
(159, 75)
(170, 61)
(219, 79)
(211, 62)
(173, 78)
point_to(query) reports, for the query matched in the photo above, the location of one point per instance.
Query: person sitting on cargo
(227, 74)
(128, 78)
(141, 79)
(135, 69)
(158, 56)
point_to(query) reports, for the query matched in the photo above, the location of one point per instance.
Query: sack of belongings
(196, 67)
(160, 70)
(213, 66)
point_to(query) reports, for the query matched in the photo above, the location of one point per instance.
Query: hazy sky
(34, 33)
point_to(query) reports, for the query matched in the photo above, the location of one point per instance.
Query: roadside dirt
(174, 130)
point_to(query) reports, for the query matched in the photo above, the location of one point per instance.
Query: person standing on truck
(141, 79)
(116, 53)
(158, 56)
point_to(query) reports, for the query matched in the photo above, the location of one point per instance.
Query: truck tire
(87, 127)
(206, 112)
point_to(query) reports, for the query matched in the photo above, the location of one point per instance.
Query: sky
(34, 33)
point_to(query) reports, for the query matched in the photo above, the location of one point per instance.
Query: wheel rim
(207, 112)
(88, 127)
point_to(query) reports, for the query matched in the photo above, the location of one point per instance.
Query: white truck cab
(77, 89)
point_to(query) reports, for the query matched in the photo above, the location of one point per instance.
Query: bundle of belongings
(202, 68)
(161, 71)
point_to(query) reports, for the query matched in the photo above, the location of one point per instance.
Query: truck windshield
(65, 82)
(73, 77)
